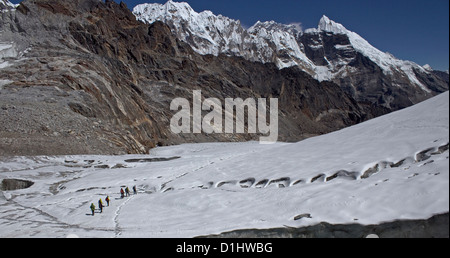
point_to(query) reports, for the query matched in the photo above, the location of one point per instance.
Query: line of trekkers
(123, 193)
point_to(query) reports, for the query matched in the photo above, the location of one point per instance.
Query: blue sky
(416, 30)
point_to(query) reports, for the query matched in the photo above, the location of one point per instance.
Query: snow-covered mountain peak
(427, 67)
(6, 4)
(327, 52)
(387, 62)
(172, 9)
(328, 25)
(181, 8)
(206, 32)
(274, 26)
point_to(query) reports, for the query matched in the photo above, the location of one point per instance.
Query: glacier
(394, 167)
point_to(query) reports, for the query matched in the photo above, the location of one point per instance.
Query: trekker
(107, 200)
(127, 191)
(121, 193)
(92, 208)
(134, 190)
(100, 205)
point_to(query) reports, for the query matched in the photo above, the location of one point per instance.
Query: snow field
(389, 168)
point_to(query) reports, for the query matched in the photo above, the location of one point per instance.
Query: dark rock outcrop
(15, 184)
(435, 227)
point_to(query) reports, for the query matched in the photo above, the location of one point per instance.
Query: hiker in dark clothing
(134, 190)
(121, 193)
(100, 205)
(92, 208)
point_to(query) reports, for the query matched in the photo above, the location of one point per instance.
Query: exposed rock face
(85, 77)
(67, 97)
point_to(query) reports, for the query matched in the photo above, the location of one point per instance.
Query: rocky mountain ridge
(86, 77)
(329, 52)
